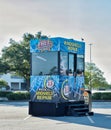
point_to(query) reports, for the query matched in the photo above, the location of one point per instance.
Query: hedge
(15, 95)
(4, 93)
(101, 96)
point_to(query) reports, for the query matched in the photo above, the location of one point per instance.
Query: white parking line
(90, 119)
(27, 117)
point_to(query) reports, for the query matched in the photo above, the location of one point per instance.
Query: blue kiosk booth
(57, 78)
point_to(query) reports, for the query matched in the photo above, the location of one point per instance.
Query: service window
(63, 63)
(80, 63)
(72, 64)
(45, 63)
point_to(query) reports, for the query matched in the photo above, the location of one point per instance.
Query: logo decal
(44, 45)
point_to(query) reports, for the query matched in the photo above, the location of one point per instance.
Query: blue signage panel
(44, 88)
(70, 45)
(56, 88)
(57, 44)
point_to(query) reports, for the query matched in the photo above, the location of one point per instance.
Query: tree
(3, 66)
(94, 75)
(17, 56)
(4, 84)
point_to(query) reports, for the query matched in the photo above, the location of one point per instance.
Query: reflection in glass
(80, 64)
(45, 63)
(71, 64)
(63, 63)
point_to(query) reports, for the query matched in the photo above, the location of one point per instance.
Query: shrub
(96, 96)
(4, 84)
(101, 96)
(106, 96)
(18, 96)
(4, 93)
(15, 95)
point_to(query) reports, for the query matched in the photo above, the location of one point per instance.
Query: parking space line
(90, 119)
(27, 117)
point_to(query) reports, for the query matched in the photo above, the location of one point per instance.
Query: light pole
(90, 95)
(90, 45)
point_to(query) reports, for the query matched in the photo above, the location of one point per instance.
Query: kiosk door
(72, 64)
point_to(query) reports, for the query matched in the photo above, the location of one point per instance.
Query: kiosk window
(71, 64)
(63, 63)
(80, 63)
(45, 63)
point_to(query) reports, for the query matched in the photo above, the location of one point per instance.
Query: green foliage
(15, 95)
(4, 93)
(18, 96)
(4, 84)
(16, 57)
(106, 96)
(96, 96)
(94, 75)
(102, 96)
(3, 66)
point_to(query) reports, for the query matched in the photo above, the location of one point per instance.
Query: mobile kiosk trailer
(57, 78)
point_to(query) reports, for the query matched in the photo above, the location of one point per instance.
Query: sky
(88, 19)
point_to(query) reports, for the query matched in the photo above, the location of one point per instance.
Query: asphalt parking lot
(14, 116)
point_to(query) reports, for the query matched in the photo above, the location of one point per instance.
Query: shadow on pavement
(97, 120)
